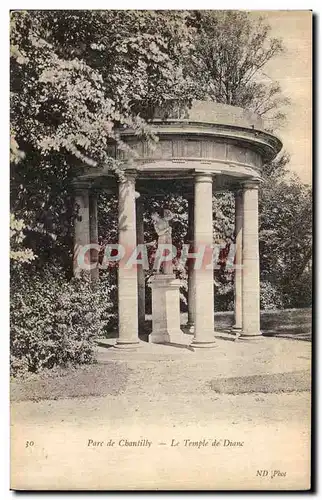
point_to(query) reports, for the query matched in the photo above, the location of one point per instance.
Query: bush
(270, 298)
(54, 322)
(297, 293)
(108, 288)
(223, 291)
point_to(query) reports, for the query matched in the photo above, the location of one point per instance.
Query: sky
(293, 69)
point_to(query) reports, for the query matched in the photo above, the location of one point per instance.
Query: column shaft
(127, 277)
(93, 229)
(190, 265)
(251, 288)
(203, 275)
(81, 233)
(238, 259)
(140, 269)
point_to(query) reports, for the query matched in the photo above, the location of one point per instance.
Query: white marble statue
(164, 232)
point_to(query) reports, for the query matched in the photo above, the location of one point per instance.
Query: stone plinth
(166, 310)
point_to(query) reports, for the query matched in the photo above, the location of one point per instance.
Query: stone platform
(229, 359)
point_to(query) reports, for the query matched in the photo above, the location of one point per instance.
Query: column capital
(238, 192)
(128, 175)
(95, 191)
(203, 177)
(81, 185)
(251, 184)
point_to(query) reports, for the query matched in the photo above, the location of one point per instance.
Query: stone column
(81, 233)
(127, 277)
(238, 260)
(204, 279)
(140, 269)
(93, 231)
(190, 265)
(250, 282)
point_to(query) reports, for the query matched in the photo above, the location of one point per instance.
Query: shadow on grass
(103, 344)
(226, 337)
(179, 346)
(97, 380)
(299, 381)
(304, 337)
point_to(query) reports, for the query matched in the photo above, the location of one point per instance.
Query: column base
(200, 344)
(251, 336)
(129, 346)
(167, 337)
(236, 328)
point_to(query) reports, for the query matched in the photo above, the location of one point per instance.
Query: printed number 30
(29, 444)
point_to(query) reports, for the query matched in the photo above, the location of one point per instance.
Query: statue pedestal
(166, 310)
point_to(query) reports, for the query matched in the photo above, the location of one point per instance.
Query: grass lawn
(272, 383)
(84, 381)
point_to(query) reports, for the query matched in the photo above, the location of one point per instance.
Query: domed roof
(213, 112)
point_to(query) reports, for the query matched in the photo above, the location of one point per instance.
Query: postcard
(161, 250)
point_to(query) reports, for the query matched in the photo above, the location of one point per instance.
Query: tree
(76, 77)
(286, 238)
(231, 50)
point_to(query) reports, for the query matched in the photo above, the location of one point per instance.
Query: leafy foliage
(231, 51)
(286, 238)
(78, 76)
(17, 251)
(53, 322)
(270, 297)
